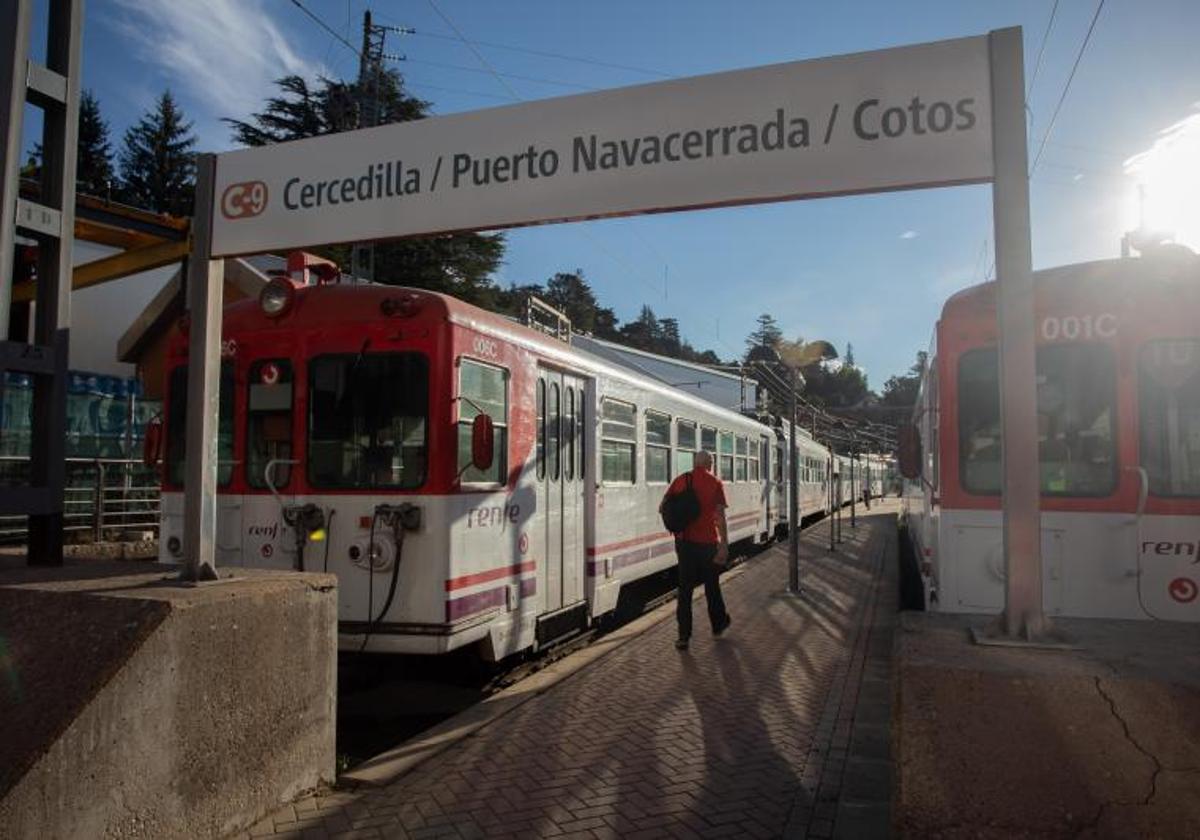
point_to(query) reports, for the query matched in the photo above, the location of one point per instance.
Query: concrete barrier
(208, 707)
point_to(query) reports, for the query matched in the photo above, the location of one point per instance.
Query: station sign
(902, 118)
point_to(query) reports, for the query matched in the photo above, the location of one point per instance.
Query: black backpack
(681, 509)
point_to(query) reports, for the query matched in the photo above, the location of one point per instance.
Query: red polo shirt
(711, 493)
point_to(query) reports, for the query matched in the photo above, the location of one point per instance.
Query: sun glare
(1165, 197)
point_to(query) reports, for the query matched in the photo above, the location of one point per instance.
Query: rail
(104, 497)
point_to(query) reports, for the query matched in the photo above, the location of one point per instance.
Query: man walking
(702, 547)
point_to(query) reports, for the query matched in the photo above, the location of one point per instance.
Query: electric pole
(370, 83)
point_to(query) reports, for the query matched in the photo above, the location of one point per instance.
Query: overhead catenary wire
(337, 35)
(1066, 87)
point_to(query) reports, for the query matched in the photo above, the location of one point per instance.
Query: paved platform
(778, 729)
(1101, 741)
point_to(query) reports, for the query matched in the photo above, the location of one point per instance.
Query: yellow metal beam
(115, 267)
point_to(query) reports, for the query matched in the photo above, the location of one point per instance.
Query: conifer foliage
(158, 164)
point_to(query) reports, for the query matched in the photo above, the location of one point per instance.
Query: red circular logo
(270, 373)
(1183, 590)
(523, 543)
(267, 550)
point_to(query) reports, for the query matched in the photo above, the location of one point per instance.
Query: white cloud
(222, 54)
(909, 234)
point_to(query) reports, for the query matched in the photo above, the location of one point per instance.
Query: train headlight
(174, 546)
(276, 298)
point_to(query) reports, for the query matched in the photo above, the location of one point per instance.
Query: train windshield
(368, 419)
(177, 426)
(1169, 396)
(1076, 404)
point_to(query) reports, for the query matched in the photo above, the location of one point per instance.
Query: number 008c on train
(469, 480)
(1118, 413)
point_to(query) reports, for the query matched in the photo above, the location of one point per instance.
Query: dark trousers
(696, 566)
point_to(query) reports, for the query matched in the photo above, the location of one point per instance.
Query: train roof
(1098, 277)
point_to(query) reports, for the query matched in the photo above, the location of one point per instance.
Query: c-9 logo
(244, 199)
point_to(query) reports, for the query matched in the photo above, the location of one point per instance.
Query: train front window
(269, 423)
(368, 418)
(1169, 401)
(1076, 405)
(177, 426)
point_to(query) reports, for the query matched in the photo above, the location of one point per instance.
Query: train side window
(685, 440)
(726, 456)
(1076, 396)
(569, 433)
(779, 452)
(708, 443)
(658, 448)
(269, 422)
(618, 442)
(1169, 409)
(482, 389)
(740, 468)
(553, 439)
(541, 428)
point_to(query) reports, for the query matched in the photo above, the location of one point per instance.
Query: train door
(1168, 513)
(561, 492)
(266, 539)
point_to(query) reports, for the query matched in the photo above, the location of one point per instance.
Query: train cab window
(269, 423)
(1169, 407)
(658, 448)
(618, 442)
(1076, 397)
(740, 469)
(368, 418)
(726, 456)
(482, 389)
(779, 453)
(685, 441)
(177, 426)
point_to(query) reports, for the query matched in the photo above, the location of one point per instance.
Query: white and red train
(349, 411)
(1118, 389)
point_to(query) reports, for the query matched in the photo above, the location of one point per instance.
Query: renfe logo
(1170, 548)
(243, 200)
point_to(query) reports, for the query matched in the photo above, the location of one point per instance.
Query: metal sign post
(205, 278)
(1023, 616)
(794, 500)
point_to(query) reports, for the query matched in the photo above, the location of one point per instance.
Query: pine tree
(457, 264)
(158, 166)
(767, 334)
(94, 171)
(849, 357)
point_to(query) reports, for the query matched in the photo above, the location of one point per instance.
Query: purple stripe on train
(631, 558)
(477, 602)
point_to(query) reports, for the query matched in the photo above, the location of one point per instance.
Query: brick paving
(755, 734)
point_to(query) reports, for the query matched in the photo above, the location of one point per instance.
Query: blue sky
(872, 270)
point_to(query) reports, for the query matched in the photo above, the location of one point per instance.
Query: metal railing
(103, 498)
